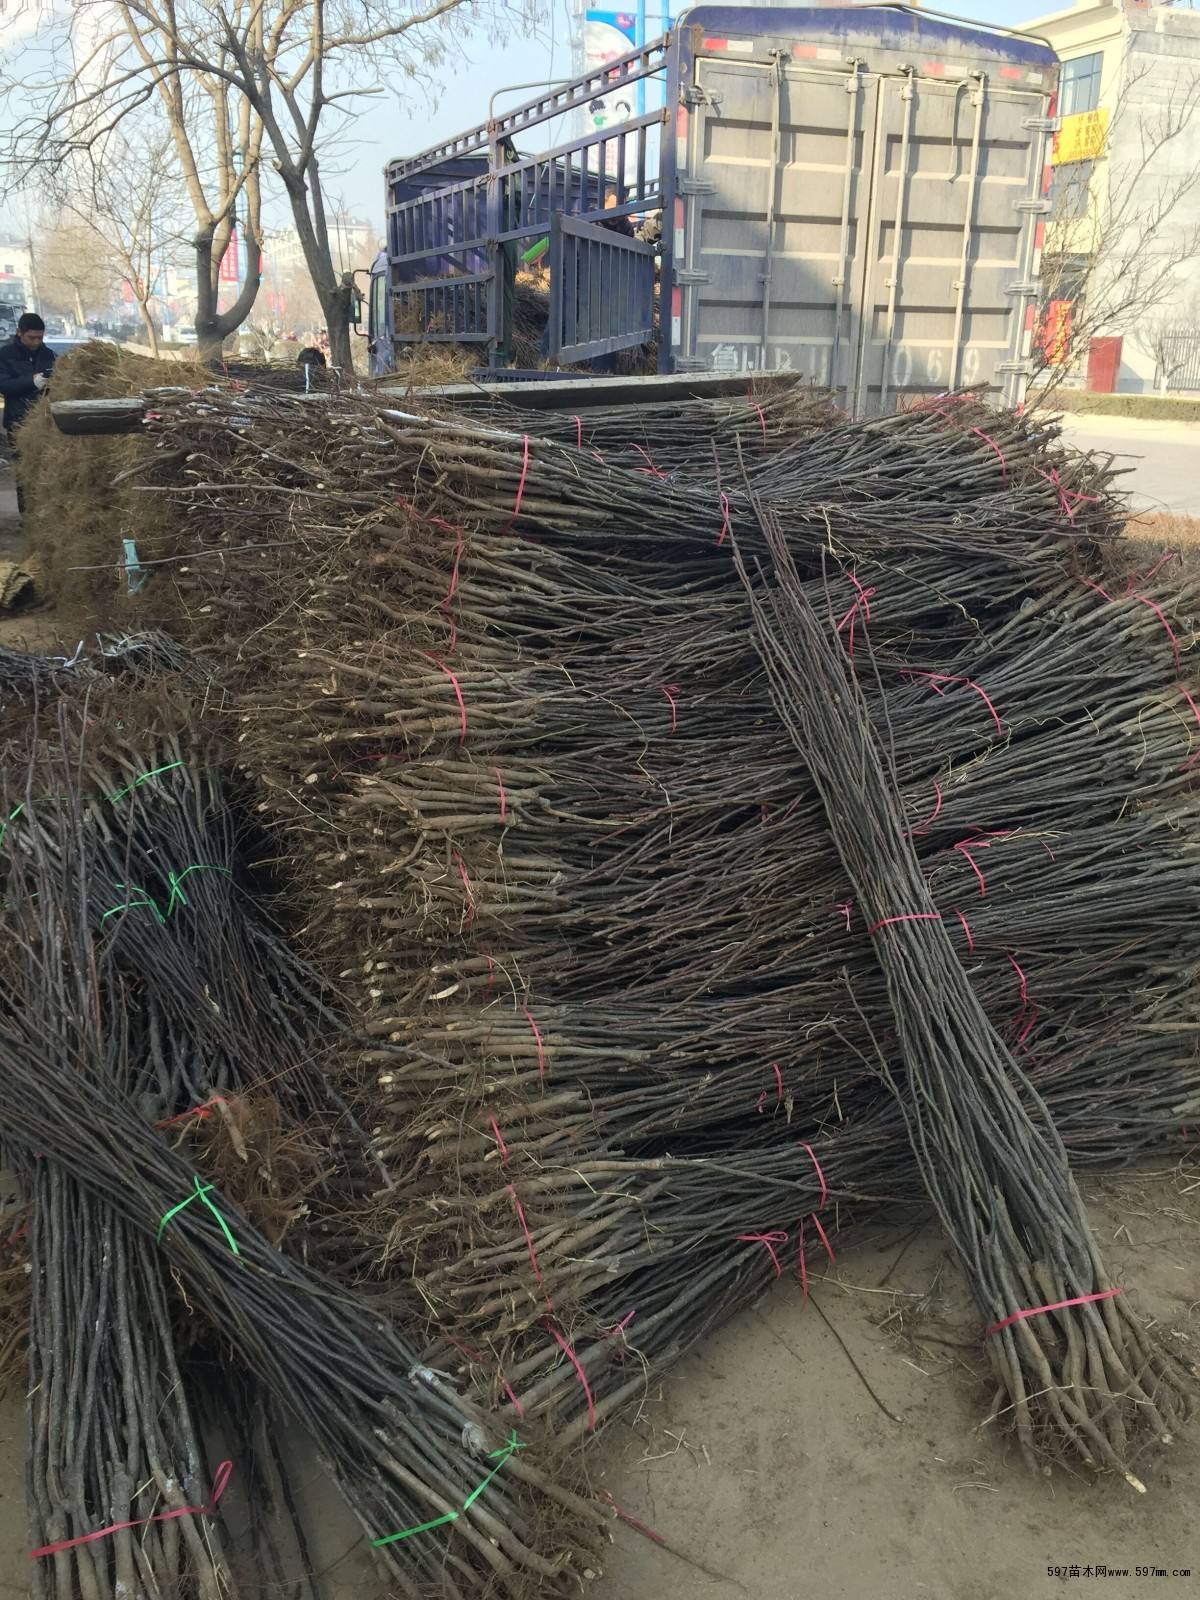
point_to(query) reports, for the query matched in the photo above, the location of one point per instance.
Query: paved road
(1164, 456)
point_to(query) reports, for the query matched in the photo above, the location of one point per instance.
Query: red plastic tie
(907, 916)
(220, 1479)
(201, 1111)
(987, 439)
(671, 690)
(1103, 593)
(533, 1260)
(649, 467)
(516, 510)
(619, 1327)
(578, 421)
(503, 797)
(845, 908)
(451, 591)
(633, 1522)
(863, 603)
(768, 1241)
(725, 523)
(1069, 499)
(801, 1264)
(936, 678)
(816, 1222)
(1030, 1024)
(458, 694)
(1196, 713)
(579, 1373)
(966, 928)
(801, 1254)
(1162, 617)
(1056, 1305)
(421, 516)
(1167, 555)
(1021, 979)
(499, 1138)
(537, 1034)
(511, 1393)
(934, 814)
(812, 1156)
(466, 882)
(962, 849)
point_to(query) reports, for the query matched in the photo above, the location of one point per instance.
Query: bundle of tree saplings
(631, 1029)
(1085, 1373)
(141, 993)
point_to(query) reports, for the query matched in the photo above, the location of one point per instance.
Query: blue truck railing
(799, 228)
(601, 290)
(458, 222)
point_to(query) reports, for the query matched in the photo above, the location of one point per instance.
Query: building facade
(17, 287)
(352, 244)
(1121, 250)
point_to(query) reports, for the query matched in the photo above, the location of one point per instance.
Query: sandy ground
(770, 1460)
(833, 1451)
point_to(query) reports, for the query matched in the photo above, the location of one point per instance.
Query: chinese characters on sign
(1080, 138)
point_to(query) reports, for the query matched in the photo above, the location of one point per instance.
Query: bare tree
(128, 192)
(110, 62)
(1171, 337)
(76, 270)
(1124, 220)
(281, 71)
(300, 303)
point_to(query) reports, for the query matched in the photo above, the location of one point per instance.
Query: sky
(392, 126)
(409, 119)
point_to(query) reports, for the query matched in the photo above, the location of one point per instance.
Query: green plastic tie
(145, 778)
(201, 1193)
(500, 1456)
(12, 817)
(147, 902)
(422, 1527)
(174, 881)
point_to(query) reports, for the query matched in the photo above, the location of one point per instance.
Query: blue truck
(851, 194)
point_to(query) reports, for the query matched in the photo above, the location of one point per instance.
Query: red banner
(1055, 332)
(228, 271)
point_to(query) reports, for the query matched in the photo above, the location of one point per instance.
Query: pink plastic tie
(768, 1241)
(1056, 1305)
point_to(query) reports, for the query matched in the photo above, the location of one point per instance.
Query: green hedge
(1158, 407)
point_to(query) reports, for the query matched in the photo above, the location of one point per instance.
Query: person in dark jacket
(26, 363)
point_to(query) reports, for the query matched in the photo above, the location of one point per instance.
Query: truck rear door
(856, 211)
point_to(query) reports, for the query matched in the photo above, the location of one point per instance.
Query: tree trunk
(79, 316)
(213, 327)
(337, 324)
(335, 297)
(148, 324)
(208, 335)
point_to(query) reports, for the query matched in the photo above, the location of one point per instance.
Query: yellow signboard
(1081, 137)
